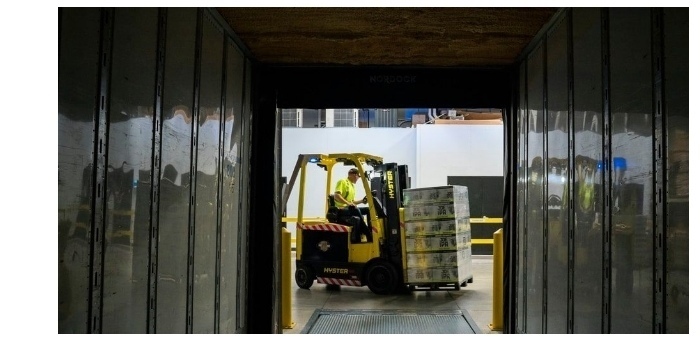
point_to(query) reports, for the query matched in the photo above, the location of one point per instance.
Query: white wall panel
(457, 150)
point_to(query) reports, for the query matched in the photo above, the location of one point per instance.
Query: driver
(347, 205)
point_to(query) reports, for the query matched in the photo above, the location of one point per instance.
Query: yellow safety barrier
(482, 241)
(497, 315)
(287, 322)
(484, 220)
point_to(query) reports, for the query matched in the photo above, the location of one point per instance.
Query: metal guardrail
(484, 220)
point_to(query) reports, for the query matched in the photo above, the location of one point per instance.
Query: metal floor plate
(390, 322)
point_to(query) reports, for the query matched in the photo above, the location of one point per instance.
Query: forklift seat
(332, 214)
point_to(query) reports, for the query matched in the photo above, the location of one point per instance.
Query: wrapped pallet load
(437, 236)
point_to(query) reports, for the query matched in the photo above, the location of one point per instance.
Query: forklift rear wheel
(304, 276)
(382, 278)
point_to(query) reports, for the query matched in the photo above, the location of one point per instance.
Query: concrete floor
(476, 298)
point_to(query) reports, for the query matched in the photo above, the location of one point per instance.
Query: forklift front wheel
(304, 276)
(382, 278)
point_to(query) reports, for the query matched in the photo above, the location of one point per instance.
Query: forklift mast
(404, 180)
(389, 188)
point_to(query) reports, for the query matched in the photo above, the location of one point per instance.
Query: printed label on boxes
(436, 275)
(424, 259)
(438, 259)
(415, 228)
(419, 196)
(437, 211)
(437, 227)
(455, 226)
(435, 243)
(419, 275)
(432, 195)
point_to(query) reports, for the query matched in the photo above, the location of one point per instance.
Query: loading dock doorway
(309, 88)
(400, 145)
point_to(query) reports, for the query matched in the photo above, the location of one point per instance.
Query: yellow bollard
(497, 315)
(287, 322)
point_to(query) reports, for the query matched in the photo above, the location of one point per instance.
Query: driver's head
(353, 175)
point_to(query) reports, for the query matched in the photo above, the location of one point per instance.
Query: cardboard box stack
(438, 235)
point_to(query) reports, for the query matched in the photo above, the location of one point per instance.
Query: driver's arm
(340, 198)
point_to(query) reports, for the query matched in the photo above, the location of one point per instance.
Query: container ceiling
(437, 37)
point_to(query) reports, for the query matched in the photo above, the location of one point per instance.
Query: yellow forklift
(328, 251)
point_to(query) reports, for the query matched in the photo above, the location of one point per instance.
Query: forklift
(328, 248)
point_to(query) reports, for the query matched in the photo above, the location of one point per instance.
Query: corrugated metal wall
(601, 241)
(153, 171)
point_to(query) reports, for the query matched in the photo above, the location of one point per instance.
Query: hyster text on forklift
(420, 239)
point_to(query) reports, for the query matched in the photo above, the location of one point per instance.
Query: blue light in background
(619, 163)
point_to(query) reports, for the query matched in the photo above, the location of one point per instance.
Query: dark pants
(356, 216)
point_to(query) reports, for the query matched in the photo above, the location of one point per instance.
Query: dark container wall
(556, 176)
(264, 287)
(676, 104)
(231, 243)
(176, 145)
(78, 61)
(534, 241)
(631, 171)
(144, 192)
(628, 221)
(128, 184)
(520, 227)
(245, 157)
(207, 179)
(587, 183)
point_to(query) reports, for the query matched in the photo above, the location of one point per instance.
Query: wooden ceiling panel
(387, 36)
